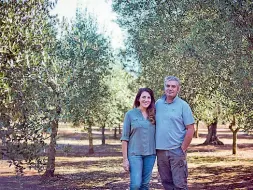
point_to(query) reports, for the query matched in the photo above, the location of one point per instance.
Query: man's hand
(126, 164)
(184, 149)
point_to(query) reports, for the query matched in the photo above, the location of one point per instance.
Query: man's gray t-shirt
(139, 132)
(171, 121)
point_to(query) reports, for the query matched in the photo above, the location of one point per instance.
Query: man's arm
(188, 137)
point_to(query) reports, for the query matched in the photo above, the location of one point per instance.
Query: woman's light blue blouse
(139, 132)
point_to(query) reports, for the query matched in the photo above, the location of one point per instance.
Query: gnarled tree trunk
(52, 145)
(234, 131)
(52, 150)
(211, 138)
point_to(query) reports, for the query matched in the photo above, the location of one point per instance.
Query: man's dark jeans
(172, 167)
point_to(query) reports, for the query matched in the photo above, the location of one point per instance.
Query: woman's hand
(126, 164)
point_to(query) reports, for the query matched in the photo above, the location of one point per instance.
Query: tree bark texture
(2, 136)
(91, 149)
(234, 151)
(103, 135)
(52, 145)
(115, 133)
(119, 129)
(52, 150)
(4, 123)
(212, 138)
(234, 131)
(196, 132)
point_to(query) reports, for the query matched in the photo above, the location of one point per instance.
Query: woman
(138, 139)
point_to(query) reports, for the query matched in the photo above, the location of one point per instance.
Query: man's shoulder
(183, 104)
(161, 99)
(159, 102)
(182, 101)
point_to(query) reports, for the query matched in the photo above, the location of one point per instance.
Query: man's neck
(169, 99)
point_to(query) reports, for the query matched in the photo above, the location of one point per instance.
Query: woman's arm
(124, 152)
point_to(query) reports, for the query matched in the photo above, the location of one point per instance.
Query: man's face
(171, 89)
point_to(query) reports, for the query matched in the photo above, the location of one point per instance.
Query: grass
(210, 167)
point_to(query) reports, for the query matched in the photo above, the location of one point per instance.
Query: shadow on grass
(102, 170)
(222, 177)
(106, 163)
(83, 150)
(213, 148)
(228, 135)
(84, 136)
(208, 159)
(202, 177)
(88, 180)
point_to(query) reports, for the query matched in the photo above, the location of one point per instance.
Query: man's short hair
(171, 78)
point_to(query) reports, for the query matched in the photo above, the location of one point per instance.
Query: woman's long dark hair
(151, 107)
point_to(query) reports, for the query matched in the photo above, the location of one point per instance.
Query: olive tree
(27, 38)
(88, 56)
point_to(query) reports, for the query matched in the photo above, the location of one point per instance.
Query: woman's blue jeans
(140, 171)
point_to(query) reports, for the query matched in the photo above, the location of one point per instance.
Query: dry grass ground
(210, 167)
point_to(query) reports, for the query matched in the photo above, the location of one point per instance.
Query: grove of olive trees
(54, 71)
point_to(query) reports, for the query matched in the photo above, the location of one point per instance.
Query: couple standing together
(163, 129)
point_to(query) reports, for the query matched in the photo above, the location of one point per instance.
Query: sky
(103, 11)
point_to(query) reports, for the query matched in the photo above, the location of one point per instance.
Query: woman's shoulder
(131, 112)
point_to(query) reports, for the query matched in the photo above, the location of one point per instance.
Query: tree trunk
(103, 135)
(234, 131)
(234, 142)
(52, 150)
(4, 123)
(91, 149)
(3, 147)
(211, 138)
(52, 145)
(115, 133)
(119, 129)
(196, 132)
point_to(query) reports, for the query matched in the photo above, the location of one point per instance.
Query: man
(174, 132)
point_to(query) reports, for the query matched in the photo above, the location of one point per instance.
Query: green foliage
(87, 57)
(111, 109)
(26, 40)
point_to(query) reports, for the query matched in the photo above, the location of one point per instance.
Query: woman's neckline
(142, 113)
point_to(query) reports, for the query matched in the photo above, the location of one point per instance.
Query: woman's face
(145, 100)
